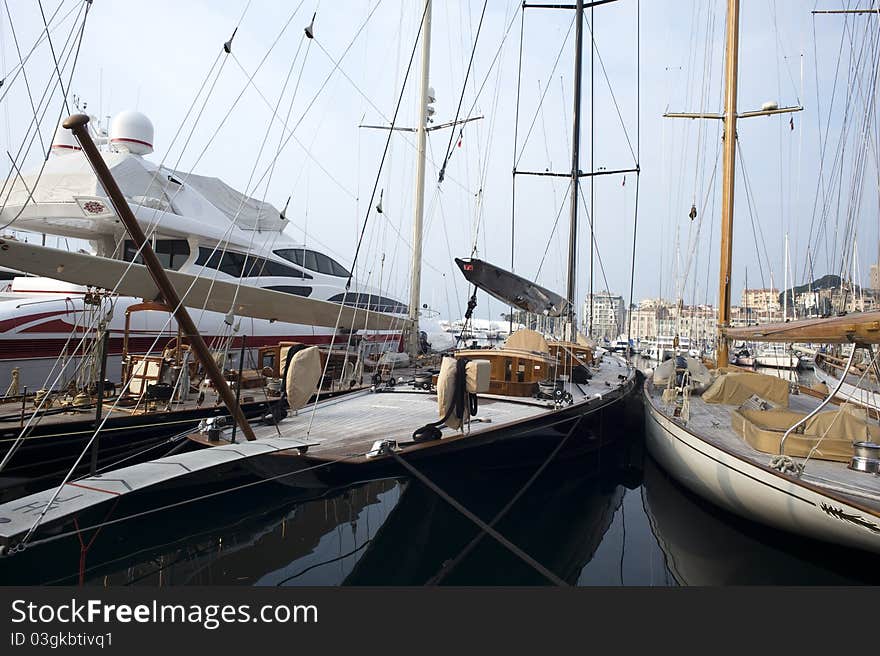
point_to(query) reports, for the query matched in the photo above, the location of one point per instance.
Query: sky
(227, 115)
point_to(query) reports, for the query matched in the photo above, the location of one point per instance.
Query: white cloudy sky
(155, 56)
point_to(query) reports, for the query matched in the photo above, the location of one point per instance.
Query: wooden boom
(859, 328)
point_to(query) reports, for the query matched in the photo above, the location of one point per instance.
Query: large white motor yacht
(202, 226)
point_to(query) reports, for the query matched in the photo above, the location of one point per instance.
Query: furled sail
(860, 327)
(511, 288)
(219, 296)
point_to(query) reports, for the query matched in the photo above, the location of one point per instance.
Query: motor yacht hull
(35, 331)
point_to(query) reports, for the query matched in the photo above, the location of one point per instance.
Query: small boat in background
(742, 358)
(776, 356)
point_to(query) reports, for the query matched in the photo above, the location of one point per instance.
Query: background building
(608, 317)
(761, 300)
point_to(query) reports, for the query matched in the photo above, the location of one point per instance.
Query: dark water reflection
(612, 519)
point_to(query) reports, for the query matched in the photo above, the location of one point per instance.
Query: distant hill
(828, 281)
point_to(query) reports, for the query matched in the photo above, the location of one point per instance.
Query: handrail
(820, 406)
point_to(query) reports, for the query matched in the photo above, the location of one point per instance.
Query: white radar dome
(64, 142)
(132, 131)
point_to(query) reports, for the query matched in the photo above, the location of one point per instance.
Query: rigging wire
(54, 57)
(449, 149)
(18, 68)
(36, 122)
(387, 143)
(24, 74)
(541, 101)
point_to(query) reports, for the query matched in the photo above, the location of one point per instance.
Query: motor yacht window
(314, 261)
(311, 260)
(239, 265)
(172, 253)
(291, 289)
(371, 302)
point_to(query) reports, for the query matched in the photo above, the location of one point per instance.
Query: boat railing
(817, 409)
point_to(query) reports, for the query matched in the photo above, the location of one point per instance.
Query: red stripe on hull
(7, 324)
(54, 326)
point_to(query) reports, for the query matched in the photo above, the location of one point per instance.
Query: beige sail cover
(735, 387)
(828, 435)
(701, 377)
(303, 377)
(527, 340)
(446, 392)
(478, 374)
(201, 292)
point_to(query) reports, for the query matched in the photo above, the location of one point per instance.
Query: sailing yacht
(776, 356)
(531, 401)
(858, 384)
(529, 387)
(202, 227)
(754, 444)
(663, 347)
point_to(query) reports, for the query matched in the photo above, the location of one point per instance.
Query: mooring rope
(479, 522)
(450, 565)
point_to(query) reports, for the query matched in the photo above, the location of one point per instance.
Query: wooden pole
(77, 124)
(238, 385)
(99, 402)
(730, 76)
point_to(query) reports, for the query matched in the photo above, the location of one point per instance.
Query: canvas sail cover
(699, 374)
(68, 177)
(246, 212)
(302, 377)
(527, 340)
(825, 436)
(734, 388)
(512, 289)
(65, 178)
(130, 279)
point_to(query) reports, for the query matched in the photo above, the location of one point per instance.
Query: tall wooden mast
(575, 168)
(730, 116)
(729, 173)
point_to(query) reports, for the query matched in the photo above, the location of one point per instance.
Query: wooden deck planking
(348, 426)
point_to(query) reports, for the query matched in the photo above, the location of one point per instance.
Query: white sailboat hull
(778, 360)
(754, 492)
(867, 398)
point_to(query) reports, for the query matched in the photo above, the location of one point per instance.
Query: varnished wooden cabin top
(514, 372)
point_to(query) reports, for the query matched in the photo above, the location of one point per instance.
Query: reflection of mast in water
(560, 522)
(704, 545)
